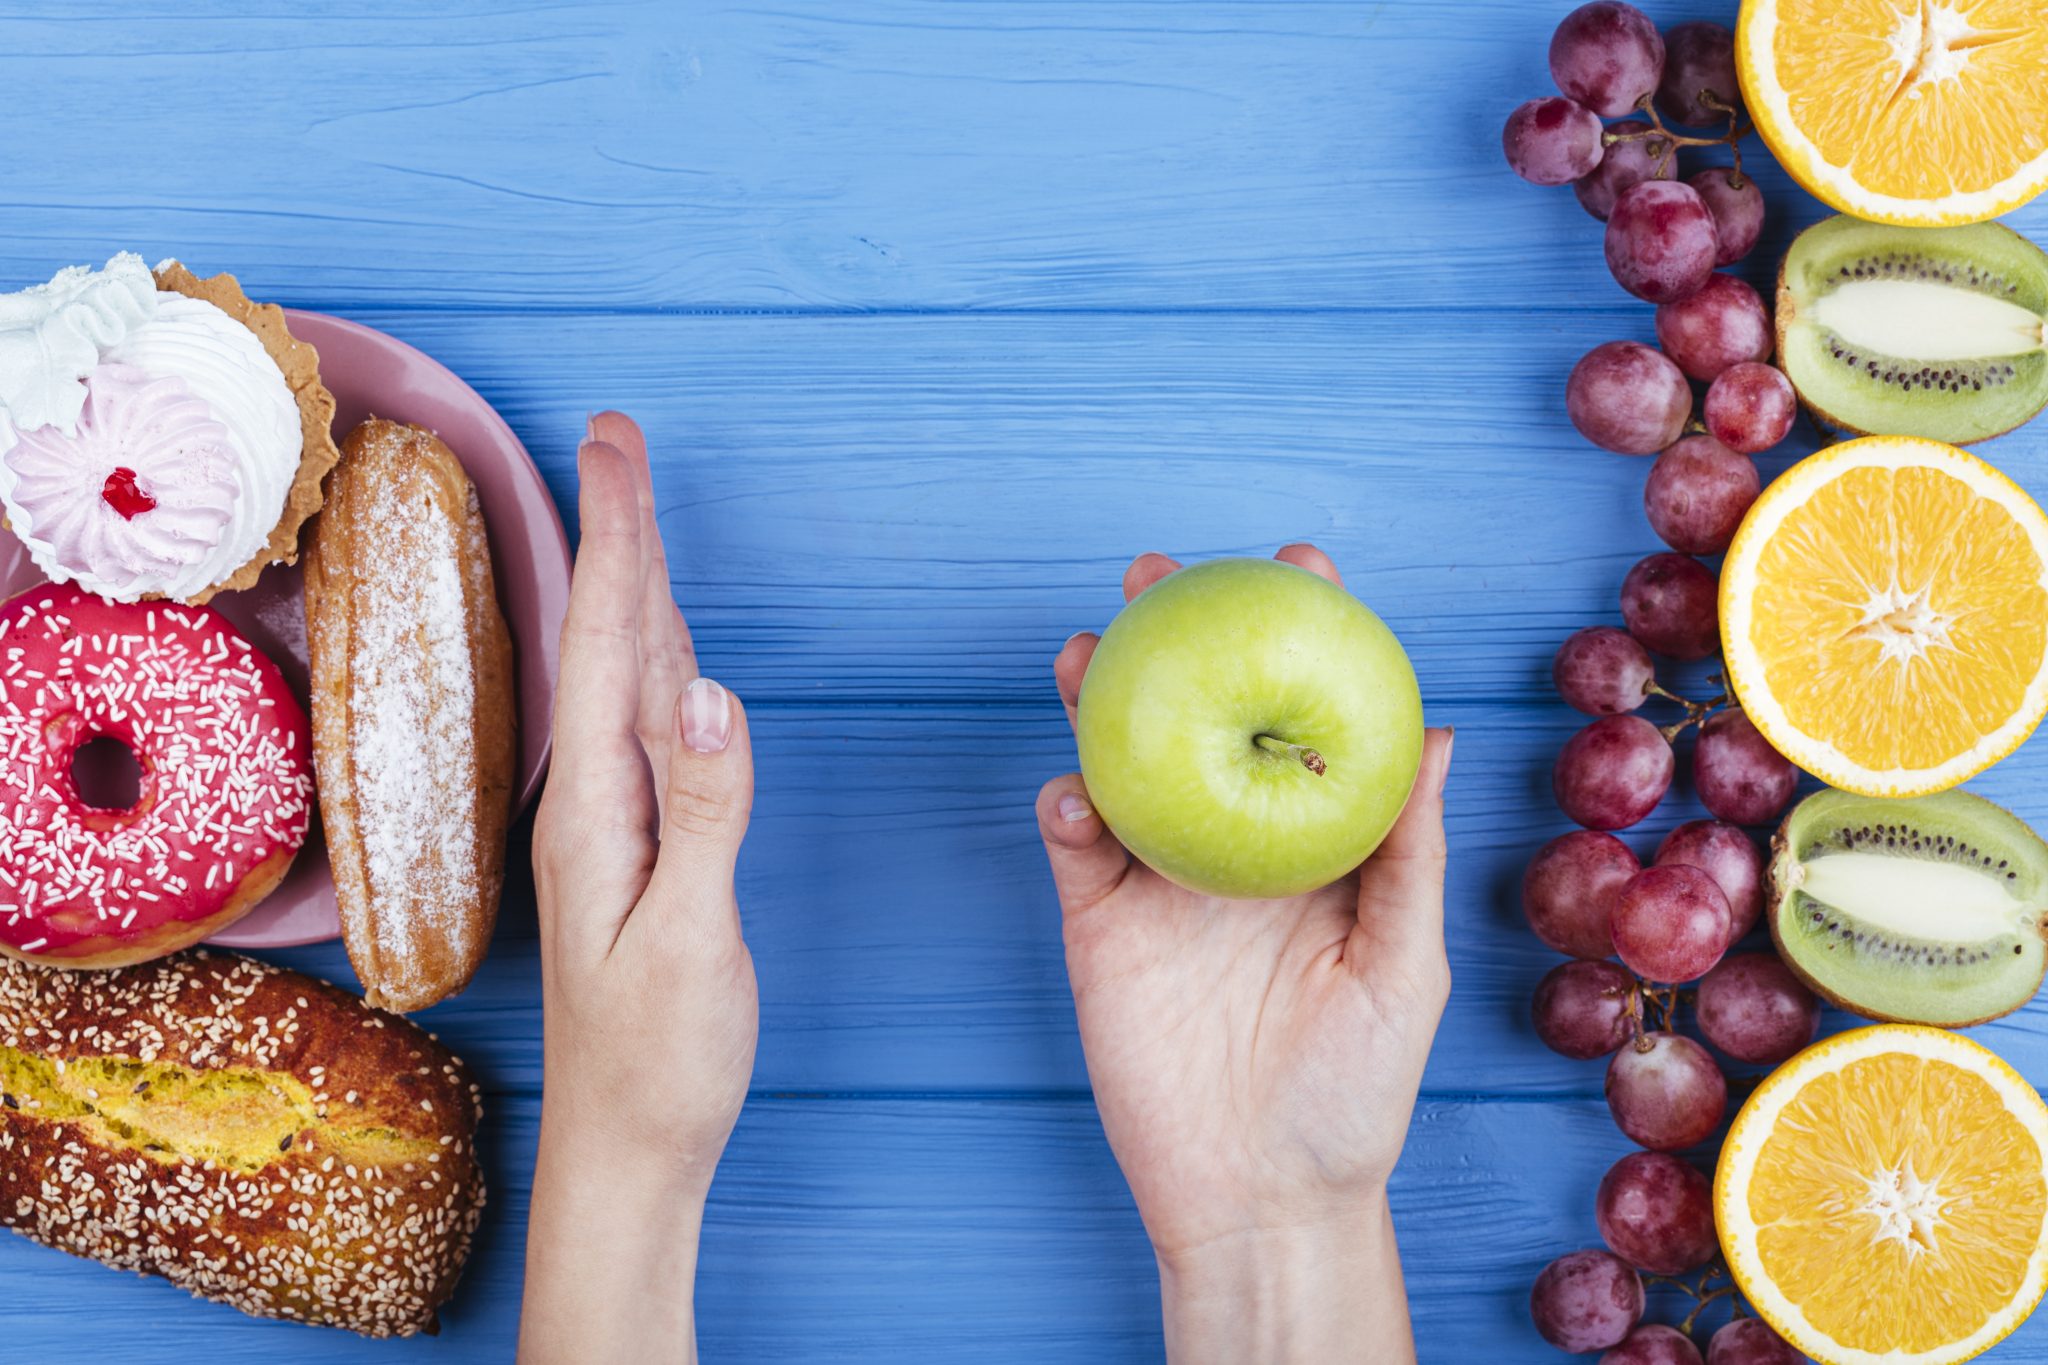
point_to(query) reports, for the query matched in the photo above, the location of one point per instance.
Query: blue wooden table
(937, 313)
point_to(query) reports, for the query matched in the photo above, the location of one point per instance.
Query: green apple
(1249, 729)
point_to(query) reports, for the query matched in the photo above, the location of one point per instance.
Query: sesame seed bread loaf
(414, 732)
(251, 1134)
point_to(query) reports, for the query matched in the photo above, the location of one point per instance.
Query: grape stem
(1713, 1271)
(1696, 712)
(1666, 1000)
(1676, 728)
(1732, 139)
(1735, 131)
(1699, 1293)
(1726, 1291)
(1656, 689)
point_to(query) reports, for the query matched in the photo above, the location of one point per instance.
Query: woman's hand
(1256, 1063)
(649, 1000)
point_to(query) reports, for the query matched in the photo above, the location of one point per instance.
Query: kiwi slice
(1901, 331)
(1927, 910)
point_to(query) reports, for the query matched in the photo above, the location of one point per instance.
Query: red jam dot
(125, 496)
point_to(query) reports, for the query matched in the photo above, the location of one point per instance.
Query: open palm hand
(651, 1007)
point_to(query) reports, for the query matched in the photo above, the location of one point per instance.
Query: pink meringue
(141, 492)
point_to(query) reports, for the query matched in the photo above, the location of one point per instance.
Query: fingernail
(1443, 775)
(1074, 808)
(707, 716)
(1070, 640)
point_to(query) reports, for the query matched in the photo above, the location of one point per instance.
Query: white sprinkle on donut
(220, 739)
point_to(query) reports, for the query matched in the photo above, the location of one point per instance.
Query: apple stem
(1310, 759)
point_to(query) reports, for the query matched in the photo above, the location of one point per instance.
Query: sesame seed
(375, 1250)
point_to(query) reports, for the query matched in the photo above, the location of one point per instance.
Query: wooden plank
(907, 940)
(905, 154)
(970, 1231)
(891, 509)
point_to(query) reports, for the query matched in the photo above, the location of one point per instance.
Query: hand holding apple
(1256, 1062)
(1248, 728)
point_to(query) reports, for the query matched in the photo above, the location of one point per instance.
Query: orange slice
(1883, 1197)
(1919, 112)
(1884, 615)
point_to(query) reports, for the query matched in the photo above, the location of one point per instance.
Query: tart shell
(300, 364)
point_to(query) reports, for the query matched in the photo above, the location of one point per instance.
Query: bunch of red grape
(1673, 923)
(1586, 894)
(1665, 238)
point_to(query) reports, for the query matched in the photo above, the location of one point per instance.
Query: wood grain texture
(880, 510)
(992, 1231)
(894, 154)
(907, 940)
(936, 314)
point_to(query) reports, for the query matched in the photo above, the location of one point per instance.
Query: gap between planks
(403, 308)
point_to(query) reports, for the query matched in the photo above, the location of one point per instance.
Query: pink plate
(369, 372)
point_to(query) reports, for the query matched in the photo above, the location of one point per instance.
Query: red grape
(1569, 889)
(1697, 493)
(1699, 62)
(1750, 1341)
(1657, 1213)
(1603, 671)
(1654, 1344)
(1626, 164)
(1737, 205)
(1671, 603)
(1750, 407)
(1740, 777)
(1552, 141)
(1754, 1009)
(1625, 397)
(1665, 1092)
(1660, 241)
(1613, 773)
(1671, 923)
(1586, 1301)
(1584, 1009)
(1723, 324)
(1607, 56)
(1727, 854)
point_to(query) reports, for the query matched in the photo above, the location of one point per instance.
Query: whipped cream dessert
(148, 442)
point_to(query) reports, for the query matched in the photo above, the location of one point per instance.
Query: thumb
(710, 796)
(1087, 861)
(1401, 887)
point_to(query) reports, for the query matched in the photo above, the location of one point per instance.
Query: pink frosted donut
(225, 790)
